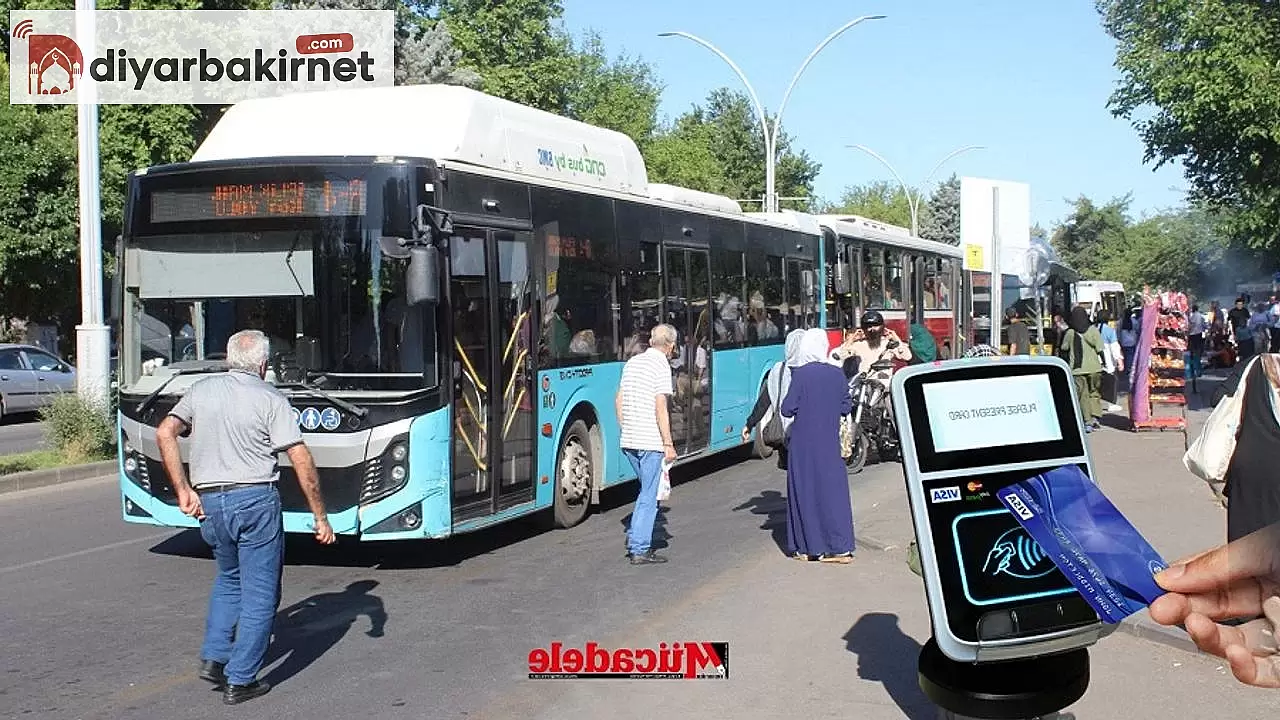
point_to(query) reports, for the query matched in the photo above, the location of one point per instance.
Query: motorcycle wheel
(861, 448)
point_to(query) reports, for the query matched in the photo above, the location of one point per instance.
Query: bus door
(687, 291)
(916, 308)
(494, 346)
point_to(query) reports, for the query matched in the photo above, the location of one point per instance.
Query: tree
(1210, 70)
(620, 94)
(424, 50)
(517, 46)
(1088, 229)
(720, 148)
(881, 200)
(940, 218)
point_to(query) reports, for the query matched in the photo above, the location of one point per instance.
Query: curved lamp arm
(943, 161)
(906, 189)
(777, 121)
(751, 91)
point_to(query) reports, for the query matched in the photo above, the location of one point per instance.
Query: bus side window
(895, 293)
(873, 278)
(943, 286)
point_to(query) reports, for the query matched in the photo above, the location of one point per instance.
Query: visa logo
(941, 495)
(1018, 506)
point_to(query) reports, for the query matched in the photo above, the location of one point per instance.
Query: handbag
(1210, 455)
(772, 433)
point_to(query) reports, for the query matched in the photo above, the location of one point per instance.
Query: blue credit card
(1099, 551)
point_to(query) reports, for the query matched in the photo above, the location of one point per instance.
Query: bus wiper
(197, 370)
(314, 390)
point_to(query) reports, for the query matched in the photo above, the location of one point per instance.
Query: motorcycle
(871, 423)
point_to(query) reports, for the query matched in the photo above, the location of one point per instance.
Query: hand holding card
(1092, 543)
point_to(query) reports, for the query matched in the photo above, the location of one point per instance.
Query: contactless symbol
(1015, 554)
(330, 419)
(1156, 567)
(310, 418)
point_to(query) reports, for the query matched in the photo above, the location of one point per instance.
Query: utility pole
(93, 338)
(997, 274)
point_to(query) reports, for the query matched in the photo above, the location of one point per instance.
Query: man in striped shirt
(641, 405)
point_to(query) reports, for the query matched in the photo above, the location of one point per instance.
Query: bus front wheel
(575, 469)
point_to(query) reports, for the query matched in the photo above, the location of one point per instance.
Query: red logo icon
(546, 383)
(54, 62)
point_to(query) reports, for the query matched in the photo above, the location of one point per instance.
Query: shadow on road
(661, 537)
(773, 505)
(302, 550)
(308, 629)
(889, 656)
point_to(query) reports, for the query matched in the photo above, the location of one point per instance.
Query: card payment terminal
(969, 428)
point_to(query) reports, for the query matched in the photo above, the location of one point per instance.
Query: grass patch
(35, 460)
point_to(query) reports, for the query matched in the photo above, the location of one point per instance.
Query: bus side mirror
(422, 280)
(842, 278)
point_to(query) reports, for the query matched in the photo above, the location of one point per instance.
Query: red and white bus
(870, 265)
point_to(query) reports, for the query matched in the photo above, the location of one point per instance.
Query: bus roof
(439, 122)
(860, 228)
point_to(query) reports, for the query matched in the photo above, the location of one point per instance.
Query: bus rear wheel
(575, 469)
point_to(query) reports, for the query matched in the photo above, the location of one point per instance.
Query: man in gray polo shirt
(238, 424)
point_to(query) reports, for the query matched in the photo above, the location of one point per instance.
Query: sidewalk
(811, 640)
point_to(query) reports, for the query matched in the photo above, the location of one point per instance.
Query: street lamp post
(913, 200)
(93, 338)
(771, 134)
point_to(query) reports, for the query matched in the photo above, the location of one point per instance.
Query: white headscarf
(814, 347)
(778, 381)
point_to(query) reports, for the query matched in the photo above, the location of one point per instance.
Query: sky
(1026, 79)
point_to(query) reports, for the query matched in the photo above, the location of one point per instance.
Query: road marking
(81, 553)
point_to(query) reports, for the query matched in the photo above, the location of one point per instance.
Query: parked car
(30, 377)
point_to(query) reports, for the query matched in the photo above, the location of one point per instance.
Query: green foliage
(1088, 230)
(80, 430)
(720, 148)
(28, 461)
(620, 94)
(940, 217)
(881, 200)
(1210, 69)
(517, 46)
(1188, 250)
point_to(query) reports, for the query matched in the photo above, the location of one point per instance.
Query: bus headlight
(388, 473)
(134, 463)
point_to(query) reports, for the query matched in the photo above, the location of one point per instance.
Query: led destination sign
(322, 198)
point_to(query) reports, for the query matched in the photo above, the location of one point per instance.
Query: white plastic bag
(664, 482)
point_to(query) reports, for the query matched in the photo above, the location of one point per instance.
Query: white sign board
(978, 221)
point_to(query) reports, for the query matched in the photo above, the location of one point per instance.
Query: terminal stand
(1035, 688)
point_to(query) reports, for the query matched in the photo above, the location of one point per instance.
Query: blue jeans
(245, 528)
(648, 466)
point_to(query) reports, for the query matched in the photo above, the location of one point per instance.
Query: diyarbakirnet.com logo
(195, 56)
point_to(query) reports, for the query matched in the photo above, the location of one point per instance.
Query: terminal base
(1028, 689)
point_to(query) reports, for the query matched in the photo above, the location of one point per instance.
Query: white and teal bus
(451, 283)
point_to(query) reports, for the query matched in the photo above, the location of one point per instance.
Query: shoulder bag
(1210, 455)
(773, 433)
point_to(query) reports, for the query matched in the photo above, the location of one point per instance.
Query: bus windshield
(298, 256)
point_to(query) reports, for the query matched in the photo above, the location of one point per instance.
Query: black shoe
(235, 694)
(647, 558)
(214, 672)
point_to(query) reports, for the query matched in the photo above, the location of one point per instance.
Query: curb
(55, 476)
(1135, 626)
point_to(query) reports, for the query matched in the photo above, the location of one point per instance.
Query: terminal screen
(991, 412)
(988, 565)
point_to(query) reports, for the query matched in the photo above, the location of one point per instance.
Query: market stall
(1157, 395)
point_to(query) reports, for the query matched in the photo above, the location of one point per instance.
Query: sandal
(841, 559)
(801, 556)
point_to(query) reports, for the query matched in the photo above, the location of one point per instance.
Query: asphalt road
(101, 619)
(21, 433)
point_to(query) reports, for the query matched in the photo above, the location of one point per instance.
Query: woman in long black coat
(1252, 484)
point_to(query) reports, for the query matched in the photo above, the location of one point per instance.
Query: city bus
(451, 284)
(870, 265)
